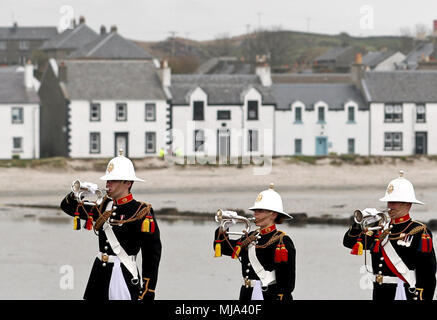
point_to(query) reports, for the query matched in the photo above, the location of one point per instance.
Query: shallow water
(42, 257)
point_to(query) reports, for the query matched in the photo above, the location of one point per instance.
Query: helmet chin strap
(262, 219)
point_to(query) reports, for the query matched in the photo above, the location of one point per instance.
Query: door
(224, 144)
(321, 146)
(421, 143)
(121, 143)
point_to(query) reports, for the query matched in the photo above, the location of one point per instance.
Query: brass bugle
(227, 218)
(371, 218)
(88, 193)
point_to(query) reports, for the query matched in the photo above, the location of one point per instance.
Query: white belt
(111, 258)
(384, 279)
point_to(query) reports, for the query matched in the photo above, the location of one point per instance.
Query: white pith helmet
(400, 190)
(270, 200)
(120, 168)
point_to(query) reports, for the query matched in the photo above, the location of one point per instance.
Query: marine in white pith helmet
(270, 200)
(120, 168)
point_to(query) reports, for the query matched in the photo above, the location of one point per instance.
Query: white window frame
(148, 135)
(421, 113)
(95, 112)
(199, 140)
(17, 144)
(150, 111)
(121, 111)
(17, 115)
(393, 141)
(95, 143)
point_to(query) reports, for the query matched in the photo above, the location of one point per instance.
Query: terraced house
(19, 113)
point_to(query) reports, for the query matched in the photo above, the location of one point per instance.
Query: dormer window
(252, 110)
(321, 115)
(198, 110)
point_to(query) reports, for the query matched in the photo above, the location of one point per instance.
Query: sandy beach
(318, 188)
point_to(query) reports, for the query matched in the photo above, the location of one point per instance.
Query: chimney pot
(114, 28)
(81, 19)
(102, 30)
(359, 58)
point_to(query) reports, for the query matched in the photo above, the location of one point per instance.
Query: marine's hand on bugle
(87, 192)
(226, 218)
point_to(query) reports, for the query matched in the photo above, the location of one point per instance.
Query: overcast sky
(153, 20)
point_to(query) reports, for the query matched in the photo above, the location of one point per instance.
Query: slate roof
(112, 80)
(71, 38)
(372, 59)
(27, 33)
(110, 46)
(422, 51)
(221, 89)
(334, 94)
(12, 88)
(401, 86)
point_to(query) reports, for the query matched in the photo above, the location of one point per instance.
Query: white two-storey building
(19, 113)
(104, 106)
(320, 118)
(403, 112)
(225, 116)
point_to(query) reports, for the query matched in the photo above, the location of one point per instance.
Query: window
(121, 112)
(350, 114)
(94, 142)
(198, 110)
(321, 114)
(252, 110)
(393, 113)
(420, 113)
(17, 115)
(223, 115)
(199, 140)
(17, 144)
(150, 142)
(24, 45)
(297, 146)
(150, 112)
(392, 141)
(351, 146)
(298, 115)
(2, 45)
(95, 112)
(253, 141)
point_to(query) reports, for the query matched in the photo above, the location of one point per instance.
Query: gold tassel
(218, 249)
(76, 222)
(145, 227)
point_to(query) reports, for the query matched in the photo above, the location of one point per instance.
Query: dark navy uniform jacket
(415, 256)
(285, 270)
(132, 239)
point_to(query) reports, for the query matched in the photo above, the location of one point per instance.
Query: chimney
(357, 71)
(262, 70)
(28, 75)
(165, 74)
(114, 28)
(434, 29)
(102, 30)
(81, 20)
(62, 72)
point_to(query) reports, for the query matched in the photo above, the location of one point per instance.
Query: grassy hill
(286, 48)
